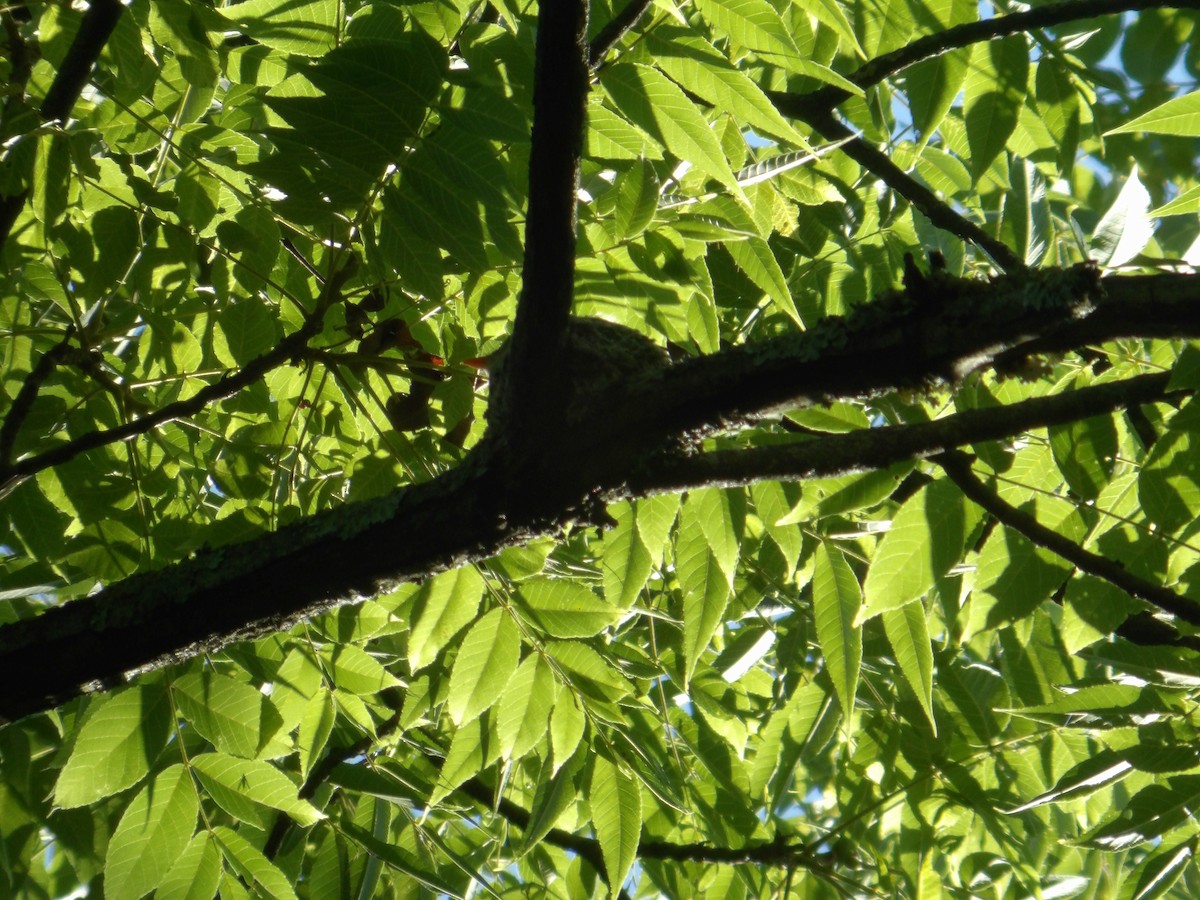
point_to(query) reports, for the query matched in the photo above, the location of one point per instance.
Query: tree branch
(877, 448)
(73, 73)
(529, 396)
(929, 46)
(921, 197)
(958, 467)
(360, 550)
(618, 26)
(291, 347)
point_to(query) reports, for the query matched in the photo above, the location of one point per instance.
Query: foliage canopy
(885, 585)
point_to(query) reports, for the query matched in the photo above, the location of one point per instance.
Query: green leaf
(116, 745)
(486, 661)
(836, 601)
(1086, 453)
(697, 66)
(1180, 116)
(523, 716)
(1153, 812)
(1126, 228)
(446, 604)
(469, 752)
(1169, 483)
(565, 609)
(615, 800)
(316, 724)
(925, 540)
(995, 91)
(907, 631)
(395, 856)
(706, 587)
(307, 27)
(637, 199)
(196, 872)
(661, 109)
(153, 831)
(251, 865)
(356, 671)
(557, 790)
(626, 561)
(567, 724)
(1157, 873)
(242, 786)
(754, 257)
(713, 511)
(235, 716)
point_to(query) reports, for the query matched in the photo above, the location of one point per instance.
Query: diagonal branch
(73, 73)
(618, 26)
(877, 448)
(958, 467)
(929, 46)
(291, 347)
(921, 197)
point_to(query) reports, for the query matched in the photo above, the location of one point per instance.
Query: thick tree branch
(532, 394)
(877, 448)
(958, 467)
(905, 339)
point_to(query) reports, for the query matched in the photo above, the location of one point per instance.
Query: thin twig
(618, 26)
(23, 403)
(921, 197)
(287, 349)
(958, 467)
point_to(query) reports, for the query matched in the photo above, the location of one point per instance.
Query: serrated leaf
(697, 66)
(116, 745)
(1126, 227)
(567, 724)
(467, 756)
(235, 716)
(557, 790)
(1152, 812)
(925, 539)
(626, 562)
(637, 199)
(196, 872)
(154, 829)
(706, 590)
(566, 609)
(316, 724)
(249, 862)
(523, 716)
(307, 27)
(836, 601)
(240, 785)
(1158, 872)
(755, 258)
(908, 632)
(395, 856)
(615, 800)
(487, 659)
(354, 670)
(1180, 115)
(655, 104)
(445, 604)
